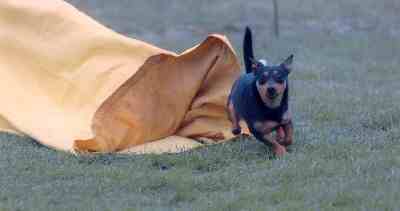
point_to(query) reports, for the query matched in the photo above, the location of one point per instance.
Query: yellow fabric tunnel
(74, 85)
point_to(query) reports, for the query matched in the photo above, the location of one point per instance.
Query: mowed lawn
(345, 96)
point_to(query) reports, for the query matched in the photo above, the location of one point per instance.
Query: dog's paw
(236, 131)
(279, 150)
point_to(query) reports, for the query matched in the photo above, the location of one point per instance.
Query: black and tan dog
(260, 98)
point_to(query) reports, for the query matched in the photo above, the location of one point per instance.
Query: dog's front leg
(280, 134)
(277, 148)
(234, 118)
(267, 128)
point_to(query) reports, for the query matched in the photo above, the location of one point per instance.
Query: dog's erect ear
(255, 65)
(288, 63)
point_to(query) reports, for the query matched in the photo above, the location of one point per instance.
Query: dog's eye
(280, 81)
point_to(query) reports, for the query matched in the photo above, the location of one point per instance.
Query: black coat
(250, 107)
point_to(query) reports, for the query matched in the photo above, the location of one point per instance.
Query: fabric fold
(75, 85)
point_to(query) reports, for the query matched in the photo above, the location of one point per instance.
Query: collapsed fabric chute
(75, 85)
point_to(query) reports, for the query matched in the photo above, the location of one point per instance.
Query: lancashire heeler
(260, 98)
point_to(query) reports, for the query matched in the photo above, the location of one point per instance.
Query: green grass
(345, 97)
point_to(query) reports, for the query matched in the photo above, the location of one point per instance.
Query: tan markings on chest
(265, 127)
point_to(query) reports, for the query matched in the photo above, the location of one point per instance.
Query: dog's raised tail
(248, 53)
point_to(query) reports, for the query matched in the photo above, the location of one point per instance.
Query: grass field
(345, 98)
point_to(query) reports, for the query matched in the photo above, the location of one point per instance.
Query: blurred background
(348, 49)
(178, 24)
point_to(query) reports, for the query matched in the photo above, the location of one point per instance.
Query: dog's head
(272, 80)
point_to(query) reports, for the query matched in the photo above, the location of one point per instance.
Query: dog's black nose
(271, 91)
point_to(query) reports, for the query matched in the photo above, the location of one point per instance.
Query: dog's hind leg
(234, 118)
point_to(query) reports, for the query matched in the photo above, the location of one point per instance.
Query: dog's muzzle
(272, 93)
